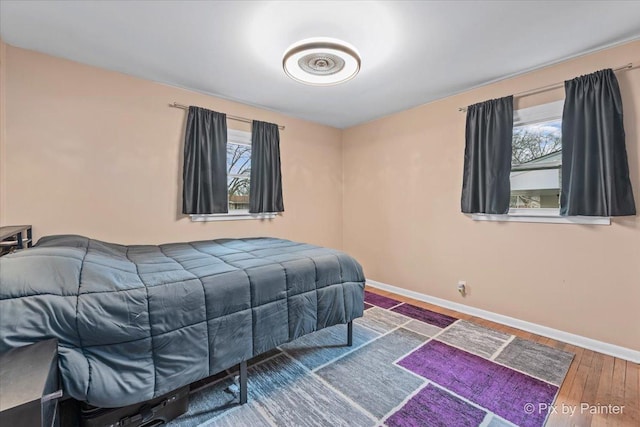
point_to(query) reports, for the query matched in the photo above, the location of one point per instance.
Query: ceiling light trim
(320, 46)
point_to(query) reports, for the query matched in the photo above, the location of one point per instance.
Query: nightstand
(14, 237)
(29, 385)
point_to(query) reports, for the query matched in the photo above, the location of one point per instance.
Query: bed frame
(243, 367)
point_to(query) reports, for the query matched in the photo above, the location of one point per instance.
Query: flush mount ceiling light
(321, 61)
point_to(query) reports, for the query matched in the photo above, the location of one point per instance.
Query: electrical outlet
(462, 287)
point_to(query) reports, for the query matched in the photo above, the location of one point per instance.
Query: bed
(136, 322)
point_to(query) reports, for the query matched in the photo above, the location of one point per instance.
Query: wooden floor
(594, 379)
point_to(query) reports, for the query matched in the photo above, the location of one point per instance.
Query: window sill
(232, 216)
(550, 216)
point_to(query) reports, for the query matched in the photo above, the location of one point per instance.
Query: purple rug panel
(379, 300)
(424, 315)
(367, 306)
(433, 406)
(501, 390)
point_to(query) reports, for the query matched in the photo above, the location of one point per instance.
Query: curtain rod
(552, 86)
(236, 118)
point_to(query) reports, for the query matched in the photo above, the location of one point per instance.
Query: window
(536, 163)
(536, 169)
(238, 180)
(238, 170)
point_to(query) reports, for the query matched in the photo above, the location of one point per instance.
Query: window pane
(238, 193)
(238, 159)
(536, 165)
(536, 141)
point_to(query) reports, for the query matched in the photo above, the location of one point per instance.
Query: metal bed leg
(350, 333)
(243, 382)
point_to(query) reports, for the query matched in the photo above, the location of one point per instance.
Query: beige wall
(402, 220)
(98, 153)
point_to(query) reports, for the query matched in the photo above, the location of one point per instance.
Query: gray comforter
(135, 322)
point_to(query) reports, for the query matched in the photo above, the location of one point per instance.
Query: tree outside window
(238, 175)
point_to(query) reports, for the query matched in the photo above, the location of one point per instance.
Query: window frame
(532, 115)
(237, 137)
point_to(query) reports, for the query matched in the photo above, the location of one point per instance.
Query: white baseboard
(578, 340)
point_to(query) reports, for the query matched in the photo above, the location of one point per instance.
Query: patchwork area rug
(408, 366)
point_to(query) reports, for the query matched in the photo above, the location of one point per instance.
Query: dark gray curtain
(265, 194)
(487, 157)
(204, 174)
(595, 172)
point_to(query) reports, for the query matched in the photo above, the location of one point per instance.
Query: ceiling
(412, 52)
